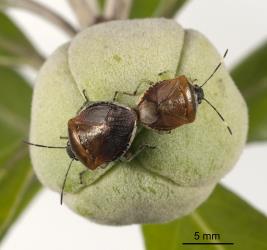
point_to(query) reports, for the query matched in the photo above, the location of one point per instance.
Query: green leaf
(15, 48)
(142, 8)
(168, 8)
(251, 78)
(101, 4)
(156, 8)
(17, 181)
(225, 214)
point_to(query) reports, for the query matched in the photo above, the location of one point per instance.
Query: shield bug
(100, 133)
(168, 104)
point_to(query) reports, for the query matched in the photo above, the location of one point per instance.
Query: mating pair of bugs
(102, 132)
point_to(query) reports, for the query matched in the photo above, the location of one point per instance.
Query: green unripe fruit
(161, 184)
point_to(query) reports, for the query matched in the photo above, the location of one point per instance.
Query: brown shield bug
(100, 133)
(169, 104)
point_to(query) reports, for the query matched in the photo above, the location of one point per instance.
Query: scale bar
(208, 243)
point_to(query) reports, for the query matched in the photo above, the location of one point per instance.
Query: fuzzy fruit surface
(161, 184)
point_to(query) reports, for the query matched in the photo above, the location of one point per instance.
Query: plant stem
(117, 9)
(21, 55)
(85, 11)
(44, 12)
(34, 62)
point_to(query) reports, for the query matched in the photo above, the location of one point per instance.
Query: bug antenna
(42, 146)
(64, 182)
(215, 70)
(219, 114)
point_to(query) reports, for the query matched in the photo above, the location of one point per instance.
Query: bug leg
(87, 101)
(63, 137)
(192, 80)
(129, 156)
(163, 73)
(81, 174)
(85, 95)
(115, 97)
(130, 93)
(166, 74)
